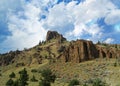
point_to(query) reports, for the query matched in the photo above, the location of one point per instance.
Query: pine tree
(10, 82)
(33, 79)
(73, 82)
(23, 78)
(12, 75)
(47, 78)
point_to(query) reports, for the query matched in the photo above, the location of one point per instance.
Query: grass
(102, 68)
(99, 68)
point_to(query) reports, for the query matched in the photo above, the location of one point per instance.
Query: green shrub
(73, 82)
(12, 75)
(10, 82)
(33, 79)
(115, 64)
(23, 78)
(85, 84)
(47, 77)
(98, 82)
(0, 74)
(34, 70)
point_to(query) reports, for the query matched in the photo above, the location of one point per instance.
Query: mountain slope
(80, 59)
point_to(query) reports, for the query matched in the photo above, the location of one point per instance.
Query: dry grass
(99, 68)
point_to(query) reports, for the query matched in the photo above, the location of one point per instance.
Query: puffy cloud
(113, 17)
(30, 23)
(80, 15)
(109, 40)
(25, 27)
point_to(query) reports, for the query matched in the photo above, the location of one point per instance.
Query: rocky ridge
(76, 52)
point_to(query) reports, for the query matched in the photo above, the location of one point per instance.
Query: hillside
(80, 59)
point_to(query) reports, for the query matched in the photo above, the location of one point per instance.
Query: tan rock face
(79, 51)
(82, 50)
(54, 35)
(107, 52)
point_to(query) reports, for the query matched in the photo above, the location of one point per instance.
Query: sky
(23, 23)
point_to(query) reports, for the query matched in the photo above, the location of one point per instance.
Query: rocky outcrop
(54, 35)
(82, 50)
(6, 59)
(74, 51)
(78, 51)
(107, 52)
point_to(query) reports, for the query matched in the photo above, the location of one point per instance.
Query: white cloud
(113, 17)
(25, 27)
(109, 40)
(72, 20)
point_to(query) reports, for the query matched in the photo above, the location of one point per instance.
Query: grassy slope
(84, 72)
(99, 68)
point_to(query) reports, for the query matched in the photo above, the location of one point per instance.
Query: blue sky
(23, 23)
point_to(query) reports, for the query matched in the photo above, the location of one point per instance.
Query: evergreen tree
(10, 82)
(12, 75)
(73, 82)
(47, 77)
(33, 79)
(98, 42)
(23, 78)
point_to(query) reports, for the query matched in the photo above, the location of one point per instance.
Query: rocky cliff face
(108, 52)
(54, 35)
(79, 51)
(82, 50)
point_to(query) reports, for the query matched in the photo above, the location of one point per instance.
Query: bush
(47, 77)
(33, 79)
(98, 82)
(34, 70)
(73, 82)
(10, 82)
(115, 64)
(44, 83)
(23, 78)
(12, 75)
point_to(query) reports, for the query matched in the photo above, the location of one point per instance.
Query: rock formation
(105, 52)
(74, 51)
(78, 51)
(6, 59)
(54, 35)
